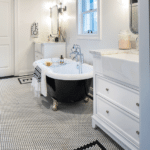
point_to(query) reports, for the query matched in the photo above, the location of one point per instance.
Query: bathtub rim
(69, 77)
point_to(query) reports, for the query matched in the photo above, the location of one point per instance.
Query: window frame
(99, 23)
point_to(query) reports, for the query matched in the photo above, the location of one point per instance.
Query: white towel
(36, 86)
(41, 87)
(36, 81)
(43, 81)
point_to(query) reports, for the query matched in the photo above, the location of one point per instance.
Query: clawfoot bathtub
(65, 84)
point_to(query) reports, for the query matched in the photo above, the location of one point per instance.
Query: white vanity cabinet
(49, 50)
(116, 107)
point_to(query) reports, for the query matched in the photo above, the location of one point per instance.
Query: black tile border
(90, 145)
(12, 76)
(7, 77)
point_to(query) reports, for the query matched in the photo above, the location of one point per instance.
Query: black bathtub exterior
(68, 90)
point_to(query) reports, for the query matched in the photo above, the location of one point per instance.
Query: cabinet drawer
(125, 97)
(38, 56)
(122, 121)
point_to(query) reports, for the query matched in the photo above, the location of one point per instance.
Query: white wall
(30, 11)
(115, 17)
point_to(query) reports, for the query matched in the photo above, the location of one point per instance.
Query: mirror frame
(131, 29)
(57, 20)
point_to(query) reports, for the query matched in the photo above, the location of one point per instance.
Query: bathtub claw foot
(55, 104)
(86, 99)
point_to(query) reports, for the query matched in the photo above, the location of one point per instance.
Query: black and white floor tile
(28, 123)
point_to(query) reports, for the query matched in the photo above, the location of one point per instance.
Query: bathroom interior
(72, 75)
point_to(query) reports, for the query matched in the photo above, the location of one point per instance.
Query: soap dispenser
(61, 59)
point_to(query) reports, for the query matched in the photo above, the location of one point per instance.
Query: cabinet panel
(124, 122)
(50, 50)
(54, 50)
(126, 97)
(38, 48)
(97, 65)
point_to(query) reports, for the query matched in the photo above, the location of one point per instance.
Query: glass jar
(124, 40)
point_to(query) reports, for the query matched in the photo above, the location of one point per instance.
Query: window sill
(88, 37)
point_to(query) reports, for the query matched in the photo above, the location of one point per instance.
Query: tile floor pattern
(28, 123)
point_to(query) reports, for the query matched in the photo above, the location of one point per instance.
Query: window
(88, 18)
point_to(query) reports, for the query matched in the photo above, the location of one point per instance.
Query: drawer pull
(107, 89)
(107, 111)
(137, 104)
(137, 132)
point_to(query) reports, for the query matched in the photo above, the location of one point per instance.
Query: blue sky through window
(89, 5)
(89, 16)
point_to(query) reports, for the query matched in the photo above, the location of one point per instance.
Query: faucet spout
(77, 52)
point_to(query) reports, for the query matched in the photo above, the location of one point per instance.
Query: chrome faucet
(76, 50)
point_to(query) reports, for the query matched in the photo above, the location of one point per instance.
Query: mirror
(134, 16)
(54, 20)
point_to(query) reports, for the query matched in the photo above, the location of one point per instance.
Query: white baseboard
(26, 72)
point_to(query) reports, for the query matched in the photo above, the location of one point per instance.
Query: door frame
(16, 50)
(144, 66)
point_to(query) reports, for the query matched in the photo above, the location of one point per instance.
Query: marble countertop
(103, 52)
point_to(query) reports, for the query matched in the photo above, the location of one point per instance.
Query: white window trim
(97, 36)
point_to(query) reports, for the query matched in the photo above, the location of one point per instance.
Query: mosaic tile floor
(28, 123)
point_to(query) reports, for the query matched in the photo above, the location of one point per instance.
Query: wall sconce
(61, 9)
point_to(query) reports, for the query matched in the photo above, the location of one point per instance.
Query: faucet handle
(74, 45)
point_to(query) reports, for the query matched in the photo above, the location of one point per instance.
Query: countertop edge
(103, 52)
(50, 42)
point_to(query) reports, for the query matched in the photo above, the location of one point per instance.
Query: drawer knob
(107, 111)
(137, 104)
(137, 132)
(107, 89)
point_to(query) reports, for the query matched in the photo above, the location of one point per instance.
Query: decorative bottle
(61, 59)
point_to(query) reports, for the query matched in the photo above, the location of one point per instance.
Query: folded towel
(36, 81)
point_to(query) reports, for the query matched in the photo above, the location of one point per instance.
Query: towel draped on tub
(36, 81)
(39, 84)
